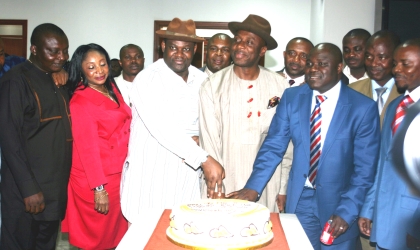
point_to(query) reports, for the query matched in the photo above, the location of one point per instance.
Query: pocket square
(273, 102)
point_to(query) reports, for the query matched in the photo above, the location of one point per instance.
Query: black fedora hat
(257, 25)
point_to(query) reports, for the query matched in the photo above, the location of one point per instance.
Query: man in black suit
(36, 141)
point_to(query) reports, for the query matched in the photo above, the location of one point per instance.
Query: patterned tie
(315, 134)
(399, 115)
(291, 82)
(380, 100)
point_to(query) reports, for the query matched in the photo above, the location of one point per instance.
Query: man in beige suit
(380, 86)
(237, 105)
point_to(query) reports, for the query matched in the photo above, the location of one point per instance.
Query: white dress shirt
(298, 81)
(327, 111)
(125, 88)
(346, 72)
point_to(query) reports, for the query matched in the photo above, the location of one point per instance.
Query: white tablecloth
(140, 231)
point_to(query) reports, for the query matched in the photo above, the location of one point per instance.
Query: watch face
(100, 188)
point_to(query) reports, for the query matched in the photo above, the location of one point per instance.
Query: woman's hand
(101, 201)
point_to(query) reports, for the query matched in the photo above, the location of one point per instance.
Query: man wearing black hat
(237, 105)
(163, 159)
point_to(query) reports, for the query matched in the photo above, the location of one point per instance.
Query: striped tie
(399, 115)
(315, 134)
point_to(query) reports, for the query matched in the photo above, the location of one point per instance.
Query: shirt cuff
(195, 158)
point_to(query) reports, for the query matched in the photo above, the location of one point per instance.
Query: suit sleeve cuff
(29, 187)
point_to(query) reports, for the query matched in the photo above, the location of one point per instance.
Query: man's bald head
(295, 56)
(406, 68)
(220, 36)
(299, 40)
(354, 48)
(331, 49)
(130, 46)
(392, 39)
(131, 61)
(323, 67)
(412, 42)
(360, 33)
(378, 56)
(218, 52)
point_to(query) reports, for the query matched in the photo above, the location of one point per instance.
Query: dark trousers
(25, 233)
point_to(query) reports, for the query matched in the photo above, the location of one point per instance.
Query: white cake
(220, 224)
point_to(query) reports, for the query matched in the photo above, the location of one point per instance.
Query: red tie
(399, 115)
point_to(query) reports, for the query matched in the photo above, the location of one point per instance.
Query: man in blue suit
(389, 202)
(345, 156)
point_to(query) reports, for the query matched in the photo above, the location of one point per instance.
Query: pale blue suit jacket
(389, 203)
(347, 165)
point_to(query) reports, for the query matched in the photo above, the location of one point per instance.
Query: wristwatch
(99, 188)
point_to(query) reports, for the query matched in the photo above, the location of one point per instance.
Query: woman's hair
(76, 76)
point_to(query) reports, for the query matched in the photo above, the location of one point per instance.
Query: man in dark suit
(335, 150)
(295, 56)
(406, 158)
(36, 141)
(389, 203)
(217, 54)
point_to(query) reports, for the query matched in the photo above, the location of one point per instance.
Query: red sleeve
(86, 142)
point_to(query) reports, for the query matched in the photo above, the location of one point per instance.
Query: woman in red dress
(101, 129)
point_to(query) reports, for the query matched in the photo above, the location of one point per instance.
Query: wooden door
(14, 36)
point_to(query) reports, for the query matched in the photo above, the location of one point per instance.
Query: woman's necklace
(104, 93)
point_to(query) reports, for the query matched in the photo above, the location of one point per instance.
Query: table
(140, 231)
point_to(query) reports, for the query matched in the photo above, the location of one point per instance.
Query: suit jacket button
(305, 176)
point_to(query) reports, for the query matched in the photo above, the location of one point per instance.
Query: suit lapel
(305, 101)
(368, 89)
(392, 95)
(340, 114)
(389, 118)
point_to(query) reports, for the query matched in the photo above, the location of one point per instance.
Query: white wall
(332, 19)
(113, 24)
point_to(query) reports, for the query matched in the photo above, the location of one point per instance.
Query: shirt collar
(387, 85)
(415, 94)
(346, 71)
(331, 94)
(208, 72)
(298, 80)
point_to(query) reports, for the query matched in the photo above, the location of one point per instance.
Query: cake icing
(220, 224)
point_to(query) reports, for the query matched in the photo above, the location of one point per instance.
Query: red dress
(101, 131)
